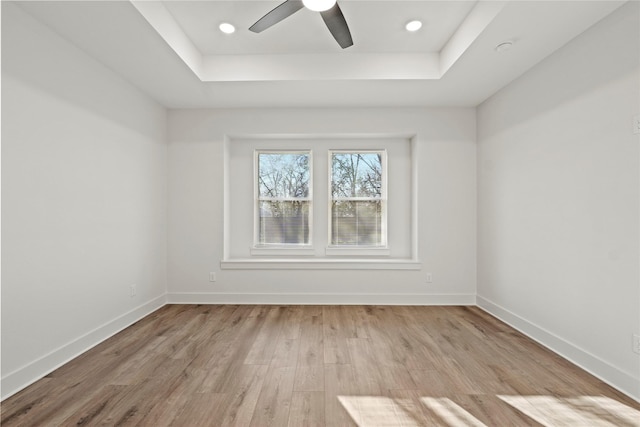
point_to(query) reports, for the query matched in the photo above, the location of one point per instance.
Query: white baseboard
(615, 377)
(321, 299)
(33, 371)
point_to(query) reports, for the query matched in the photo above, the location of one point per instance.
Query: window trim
(231, 261)
(259, 248)
(358, 250)
(366, 264)
(279, 250)
(366, 251)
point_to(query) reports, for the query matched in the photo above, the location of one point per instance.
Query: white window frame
(280, 248)
(358, 250)
(403, 190)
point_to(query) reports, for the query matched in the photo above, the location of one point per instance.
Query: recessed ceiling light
(413, 26)
(319, 5)
(227, 28)
(504, 46)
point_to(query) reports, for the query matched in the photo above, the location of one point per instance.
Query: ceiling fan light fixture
(329, 11)
(413, 26)
(319, 5)
(227, 28)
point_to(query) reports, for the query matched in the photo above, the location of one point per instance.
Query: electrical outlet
(212, 276)
(429, 278)
(133, 290)
(636, 343)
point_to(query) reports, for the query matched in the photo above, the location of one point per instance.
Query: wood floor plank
(94, 408)
(367, 377)
(292, 322)
(307, 409)
(222, 338)
(412, 411)
(310, 366)
(272, 408)
(239, 404)
(223, 365)
(223, 375)
(212, 328)
(339, 382)
(174, 400)
(27, 403)
(41, 409)
(201, 410)
(309, 378)
(492, 411)
(360, 317)
(265, 342)
(311, 351)
(286, 353)
(136, 368)
(133, 404)
(398, 341)
(395, 377)
(335, 334)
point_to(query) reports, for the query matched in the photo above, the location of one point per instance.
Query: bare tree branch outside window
(284, 181)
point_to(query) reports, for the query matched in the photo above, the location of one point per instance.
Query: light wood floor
(189, 365)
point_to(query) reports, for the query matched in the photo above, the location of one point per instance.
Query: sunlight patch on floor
(594, 411)
(550, 411)
(380, 411)
(451, 413)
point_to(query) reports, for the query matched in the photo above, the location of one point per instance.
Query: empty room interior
(310, 213)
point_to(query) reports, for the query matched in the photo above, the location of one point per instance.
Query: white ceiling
(376, 26)
(174, 52)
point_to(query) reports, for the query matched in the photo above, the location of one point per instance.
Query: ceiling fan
(329, 10)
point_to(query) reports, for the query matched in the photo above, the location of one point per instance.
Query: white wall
(558, 191)
(447, 208)
(83, 201)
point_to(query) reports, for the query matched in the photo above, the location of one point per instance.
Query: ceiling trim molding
(166, 26)
(474, 24)
(311, 67)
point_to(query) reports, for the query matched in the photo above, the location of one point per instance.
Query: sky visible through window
(283, 175)
(356, 175)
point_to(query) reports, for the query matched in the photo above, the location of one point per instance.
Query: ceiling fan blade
(338, 26)
(281, 12)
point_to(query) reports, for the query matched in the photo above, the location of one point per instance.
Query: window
(320, 202)
(358, 208)
(283, 208)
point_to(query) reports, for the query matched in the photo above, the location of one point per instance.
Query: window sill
(320, 264)
(282, 251)
(357, 251)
